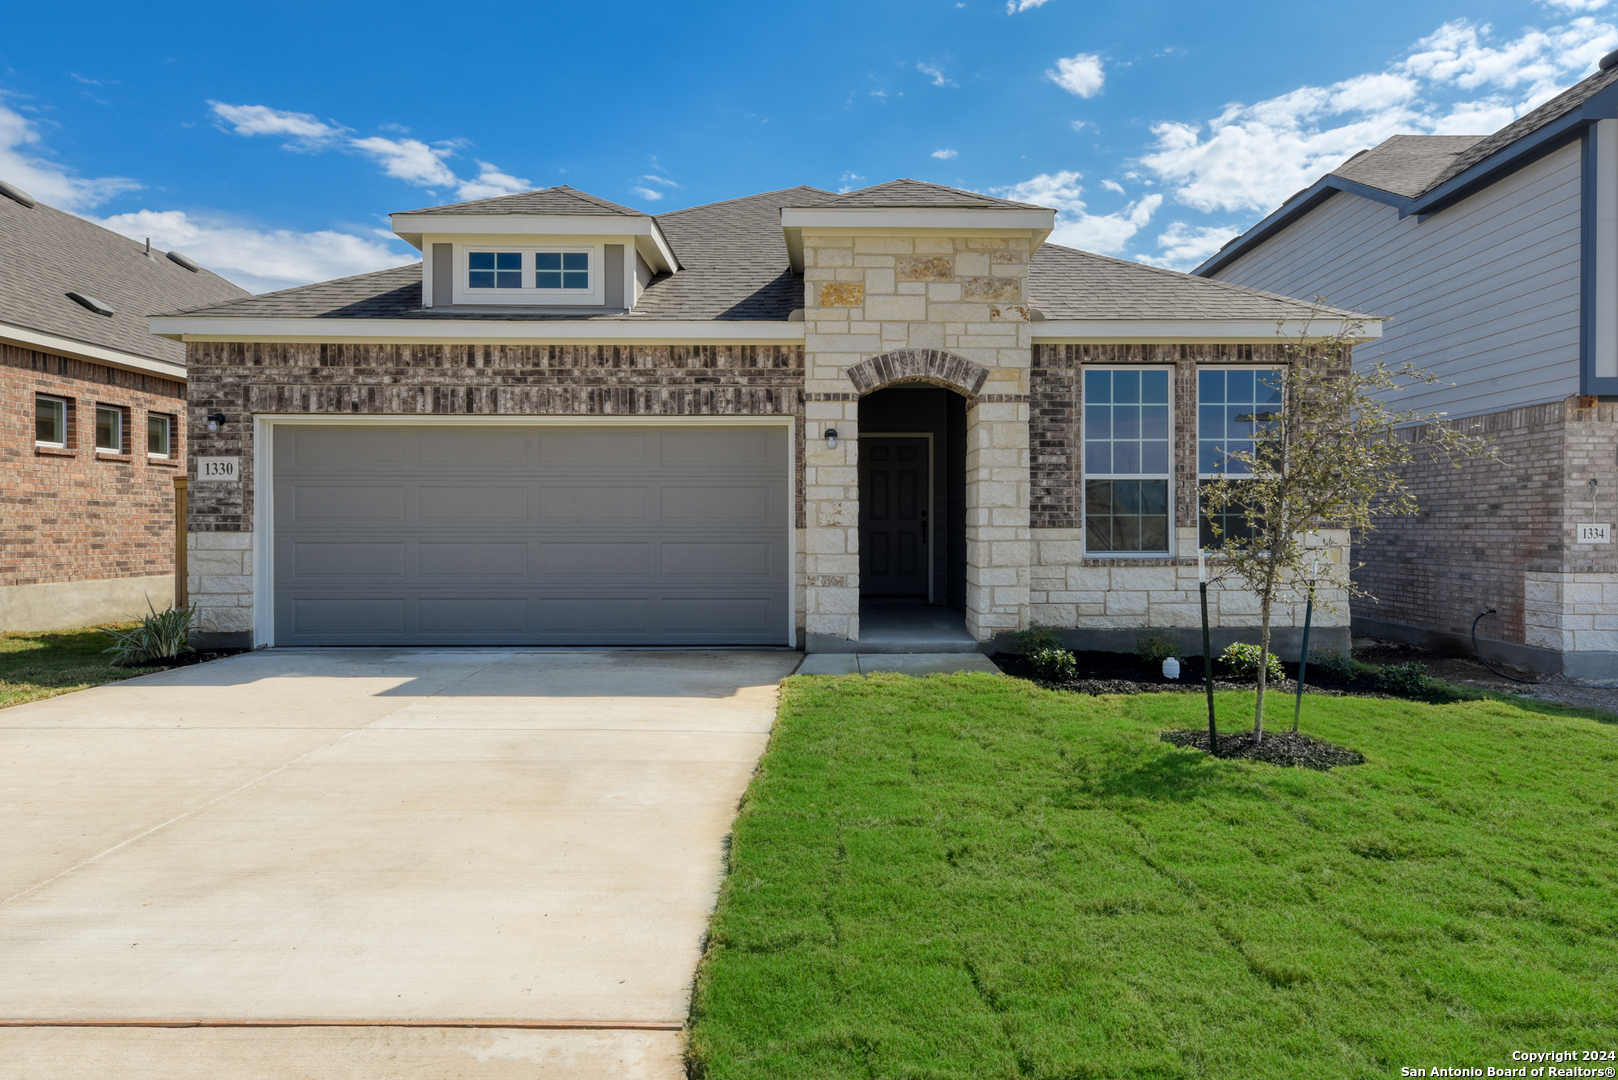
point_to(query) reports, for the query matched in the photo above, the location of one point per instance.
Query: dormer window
(562, 270)
(494, 270)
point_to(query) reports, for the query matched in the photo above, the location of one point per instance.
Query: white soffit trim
(1075, 331)
(645, 231)
(35, 339)
(490, 331)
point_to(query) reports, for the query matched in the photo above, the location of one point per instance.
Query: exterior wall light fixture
(831, 438)
(216, 421)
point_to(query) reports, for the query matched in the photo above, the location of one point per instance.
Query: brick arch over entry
(919, 365)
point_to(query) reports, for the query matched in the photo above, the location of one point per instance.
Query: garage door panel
(472, 559)
(342, 560)
(472, 615)
(595, 558)
(527, 535)
(471, 502)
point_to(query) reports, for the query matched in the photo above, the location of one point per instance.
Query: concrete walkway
(394, 837)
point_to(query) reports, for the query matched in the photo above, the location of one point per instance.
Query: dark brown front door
(894, 475)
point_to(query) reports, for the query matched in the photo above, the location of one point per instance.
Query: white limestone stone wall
(1071, 591)
(871, 293)
(1570, 612)
(219, 579)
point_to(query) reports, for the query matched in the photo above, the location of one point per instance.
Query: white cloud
(1251, 157)
(263, 120)
(1576, 5)
(1075, 225)
(665, 181)
(254, 259)
(943, 155)
(1014, 6)
(1183, 246)
(649, 194)
(1080, 125)
(44, 179)
(410, 160)
(850, 181)
(1113, 185)
(491, 182)
(935, 73)
(1081, 74)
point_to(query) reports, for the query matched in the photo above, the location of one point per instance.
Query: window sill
(1115, 558)
(45, 450)
(162, 459)
(108, 455)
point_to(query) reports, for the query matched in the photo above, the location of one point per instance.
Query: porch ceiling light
(831, 438)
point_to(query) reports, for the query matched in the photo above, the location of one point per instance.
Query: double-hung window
(109, 429)
(159, 435)
(1126, 460)
(1233, 404)
(50, 422)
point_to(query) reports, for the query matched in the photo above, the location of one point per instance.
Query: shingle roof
(1530, 122)
(1406, 164)
(556, 200)
(918, 193)
(49, 253)
(1065, 283)
(735, 266)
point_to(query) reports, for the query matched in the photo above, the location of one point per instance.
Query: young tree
(1330, 454)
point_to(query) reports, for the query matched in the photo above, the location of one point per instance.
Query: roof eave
(489, 331)
(643, 229)
(1192, 330)
(82, 350)
(1294, 208)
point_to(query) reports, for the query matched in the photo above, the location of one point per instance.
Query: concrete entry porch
(906, 626)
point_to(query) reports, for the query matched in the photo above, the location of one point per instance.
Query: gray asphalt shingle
(556, 200)
(50, 253)
(1406, 164)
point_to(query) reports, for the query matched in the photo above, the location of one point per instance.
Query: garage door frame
(264, 483)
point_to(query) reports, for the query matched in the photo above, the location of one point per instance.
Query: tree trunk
(1263, 663)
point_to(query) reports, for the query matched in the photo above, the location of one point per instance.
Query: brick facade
(76, 515)
(1499, 532)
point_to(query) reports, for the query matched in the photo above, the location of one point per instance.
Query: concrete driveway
(406, 843)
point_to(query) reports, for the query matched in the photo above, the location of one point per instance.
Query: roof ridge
(737, 199)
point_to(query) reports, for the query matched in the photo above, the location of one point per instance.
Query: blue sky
(271, 142)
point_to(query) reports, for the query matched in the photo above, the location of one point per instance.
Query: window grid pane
(109, 430)
(50, 421)
(1126, 460)
(1223, 396)
(494, 269)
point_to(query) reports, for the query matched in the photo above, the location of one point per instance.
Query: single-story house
(800, 418)
(1496, 259)
(92, 408)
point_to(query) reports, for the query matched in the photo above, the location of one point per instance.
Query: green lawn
(42, 665)
(968, 876)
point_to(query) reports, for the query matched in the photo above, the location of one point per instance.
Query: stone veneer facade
(1499, 532)
(882, 308)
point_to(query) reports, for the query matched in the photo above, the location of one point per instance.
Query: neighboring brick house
(1496, 259)
(787, 419)
(92, 417)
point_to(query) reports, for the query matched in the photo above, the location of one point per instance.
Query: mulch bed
(1277, 748)
(201, 656)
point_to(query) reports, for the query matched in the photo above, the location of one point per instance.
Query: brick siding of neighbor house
(1499, 532)
(1118, 596)
(245, 379)
(75, 515)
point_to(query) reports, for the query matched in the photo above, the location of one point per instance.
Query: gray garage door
(546, 535)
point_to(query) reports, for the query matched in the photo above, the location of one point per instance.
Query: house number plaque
(1592, 534)
(230, 469)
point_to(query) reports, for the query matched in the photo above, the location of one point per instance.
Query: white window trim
(528, 295)
(62, 405)
(1198, 448)
(168, 435)
(1085, 475)
(119, 413)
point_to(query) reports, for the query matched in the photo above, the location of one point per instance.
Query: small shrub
(158, 636)
(1333, 665)
(1155, 648)
(1037, 637)
(1408, 679)
(1241, 660)
(1053, 663)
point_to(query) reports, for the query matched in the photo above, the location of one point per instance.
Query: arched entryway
(912, 515)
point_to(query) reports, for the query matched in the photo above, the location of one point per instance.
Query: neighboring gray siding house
(833, 421)
(1495, 260)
